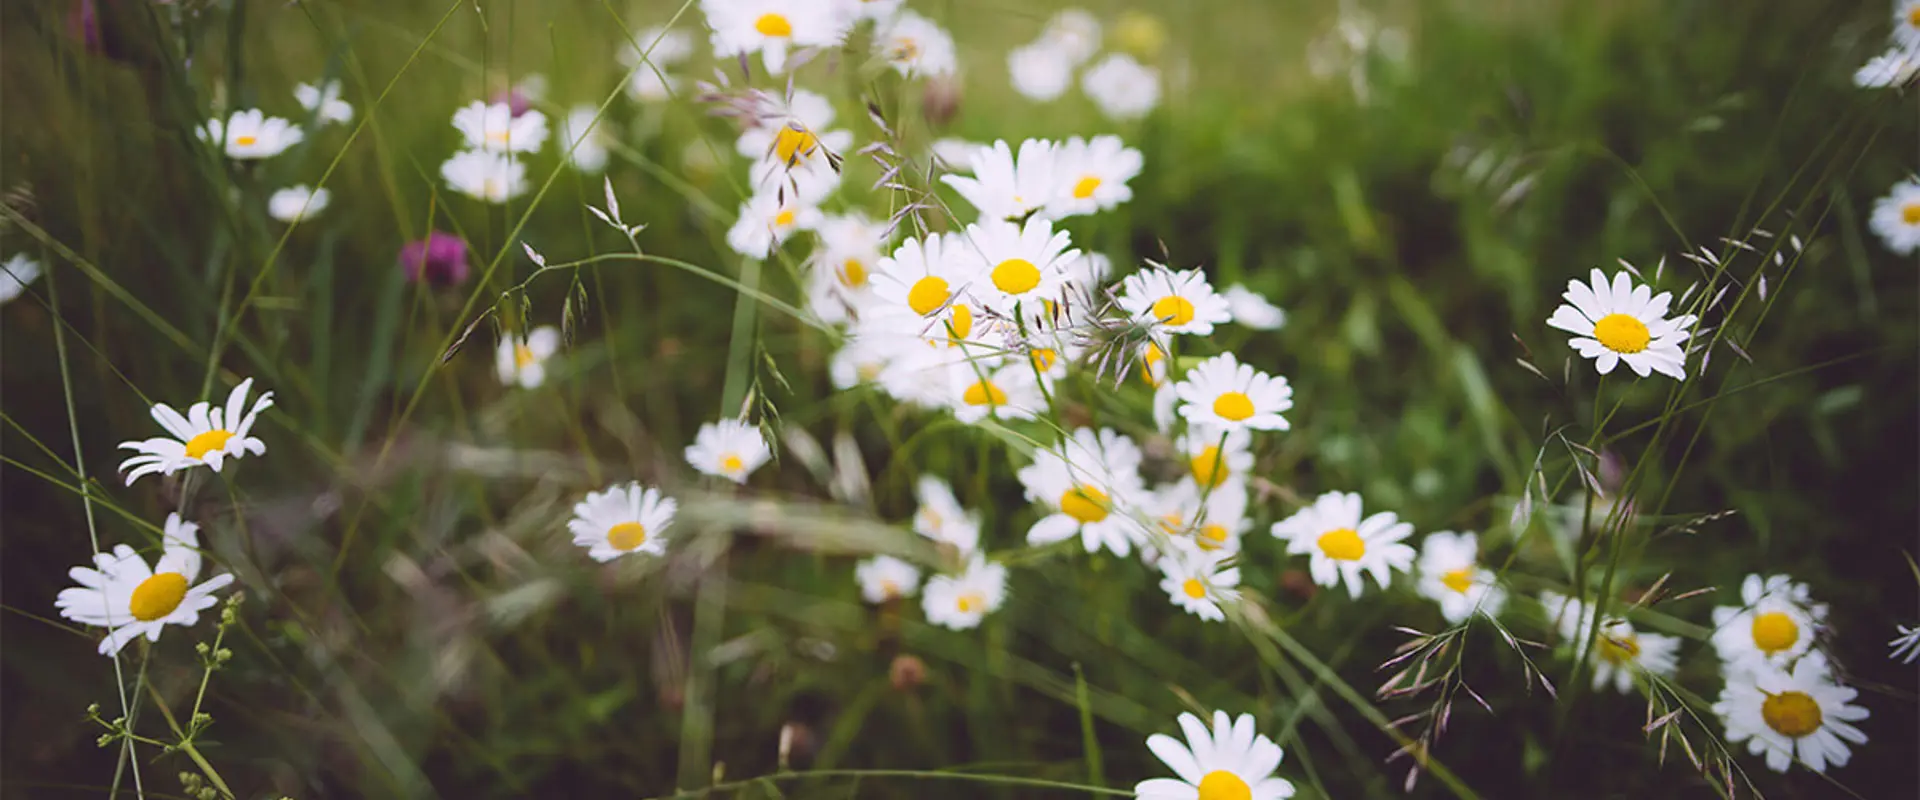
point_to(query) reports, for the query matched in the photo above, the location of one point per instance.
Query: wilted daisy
(121, 593)
(324, 101)
(584, 138)
(250, 134)
(1341, 544)
(841, 267)
(915, 46)
(1896, 67)
(884, 578)
(1221, 393)
(1041, 71)
(1618, 321)
(1228, 763)
(1020, 263)
(941, 518)
(621, 520)
(1121, 87)
(494, 128)
(1003, 186)
(766, 220)
(1174, 301)
(206, 435)
(774, 28)
(15, 274)
(960, 601)
(1775, 623)
(1799, 715)
(1906, 646)
(1091, 176)
(482, 175)
(729, 449)
(1451, 575)
(1620, 652)
(1083, 481)
(1008, 392)
(1896, 217)
(297, 202)
(522, 359)
(1197, 583)
(1252, 310)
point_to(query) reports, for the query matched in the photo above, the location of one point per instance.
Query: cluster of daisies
(1119, 85)
(250, 135)
(1896, 216)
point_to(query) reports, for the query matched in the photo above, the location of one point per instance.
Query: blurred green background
(418, 624)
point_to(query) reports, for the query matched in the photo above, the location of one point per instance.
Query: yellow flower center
(1173, 310)
(1084, 503)
(1194, 588)
(490, 187)
(1621, 650)
(1085, 187)
(773, 25)
(1910, 213)
(853, 274)
(1621, 333)
(499, 136)
(1208, 468)
(1172, 523)
(158, 596)
(1016, 276)
(1791, 713)
(927, 295)
(1044, 358)
(961, 322)
(1913, 17)
(523, 355)
(732, 463)
(1458, 580)
(246, 141)
(1774, 631)
(970, 602)
(784, 219)
(1234, 406)
(792, 144)
(1223, 785)
(1211, 537)
(199, 446)
(905, 49)
(889, 588)
(984, 393)
(1343, 544)
(1148, 361)
(627, 535)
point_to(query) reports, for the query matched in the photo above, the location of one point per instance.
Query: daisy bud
(907, 672)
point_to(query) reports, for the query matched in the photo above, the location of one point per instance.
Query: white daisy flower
(1620, 652)
(1174, 301)
(15, 274)
(1229, 763)
(522, 359)
(840, 270)
(1775, 623)
(1451, 575)
(1041, 71)
(766, 220)
(584, 140)
(622, 520)
(494, 129)
(1619, 322)
(1194, 580)
(1251, 310)
(1906, 646)
(792, 146)
(774, 28)
(1003, 186)
(205, 435)
(122, 594)
(915, 46)
(1075, 32)
(1019, 263)
(297, 202)
(1799, 715)
(324, 100)
(1215, 459)
(729, 449)
(960, 601)
(1010, 392)
(1084, 482)
(250, 134)
(1121, 87)
(1342, 545)
(1211, 521)
(1221, 393)
(941, 518)
(1896, 217)
(884, 578)
(1896, 67)
(925, 276)
(1091, 176)
(485, 176)
(1906, 24)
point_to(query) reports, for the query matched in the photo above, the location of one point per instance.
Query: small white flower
(1619, 321)
(1010, 392)
(1451, 575)
(1174, 302)
(1216, 458)
(120, 593)
(325, 101)
(481, 175)
(1084, 482)
(1896, 67)
(522, 359)
(1775, 623)
(1003, 187)
(774, 28)
(915, 46)
(1906, 646)
(297, 202)
(1228, 762)
(1194, 580)
(942, 518)
(960, 601)
(494, 129)
(1221, 393)
(1253, 311)
(1075, 32)
(15, 274)
(840, 270)
(884, 578)
(1620, 652)
(1041, 71)
(622, 520)
(929, 278)
(792, 147)
(766, 220)
(1122, 88)
(1020, 263)
(584, 140)
(729, 449)
(1906, 24)
(1210, 521)
(1801, 715)
(1896, 217)
(1091, 176)
(249, 134)
(1342, 545)
(205, 435)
